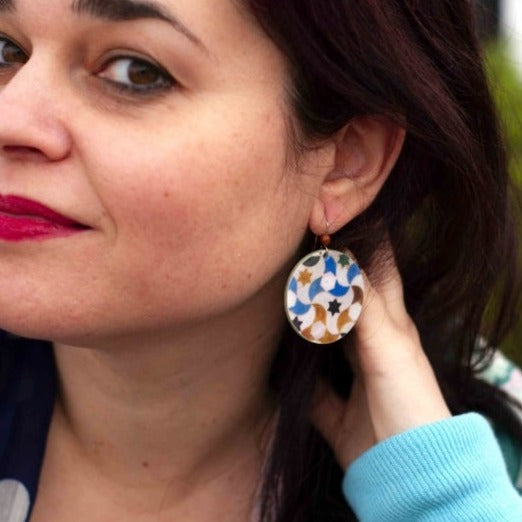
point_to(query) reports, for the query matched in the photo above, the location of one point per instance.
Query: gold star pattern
(305, 277)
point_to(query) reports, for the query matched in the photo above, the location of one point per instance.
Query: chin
(43, 325)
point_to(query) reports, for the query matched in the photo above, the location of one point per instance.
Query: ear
(367, 149)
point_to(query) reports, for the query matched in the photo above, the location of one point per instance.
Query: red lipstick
(23, 219)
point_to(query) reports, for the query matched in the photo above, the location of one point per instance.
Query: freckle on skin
(166, 195)
(145, 464)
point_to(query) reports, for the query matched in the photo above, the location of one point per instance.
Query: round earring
(324, 294)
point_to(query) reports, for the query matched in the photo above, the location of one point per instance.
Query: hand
(394, 386)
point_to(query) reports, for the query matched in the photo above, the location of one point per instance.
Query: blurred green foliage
(506, 85)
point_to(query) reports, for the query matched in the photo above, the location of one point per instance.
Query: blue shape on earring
(330, 265)
(293, 285)
(353, 272)
(300, 308)
(315, 288)
(339, 290)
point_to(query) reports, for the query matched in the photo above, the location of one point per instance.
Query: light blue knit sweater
(451, 470)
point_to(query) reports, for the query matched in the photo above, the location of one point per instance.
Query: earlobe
(367, 149)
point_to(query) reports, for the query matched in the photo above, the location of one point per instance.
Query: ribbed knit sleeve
(450, 470)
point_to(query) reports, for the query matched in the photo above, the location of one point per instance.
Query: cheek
(193, 192)
(202, 216)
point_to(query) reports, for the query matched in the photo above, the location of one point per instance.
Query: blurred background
(500, 25)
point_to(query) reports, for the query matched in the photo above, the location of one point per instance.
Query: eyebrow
(123, 10)
(6, 5)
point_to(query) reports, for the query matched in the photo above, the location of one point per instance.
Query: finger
(401, 387)
(384, 322)
(384, 278)
(385, 345)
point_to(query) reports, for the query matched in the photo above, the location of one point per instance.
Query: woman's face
(162, 127)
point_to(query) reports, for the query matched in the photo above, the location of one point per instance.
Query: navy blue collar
(27, 395)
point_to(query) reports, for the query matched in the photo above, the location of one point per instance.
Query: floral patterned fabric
(507, 376)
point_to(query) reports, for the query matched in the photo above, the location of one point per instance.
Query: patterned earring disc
(324, 296)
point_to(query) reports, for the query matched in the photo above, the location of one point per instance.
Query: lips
(22, 219)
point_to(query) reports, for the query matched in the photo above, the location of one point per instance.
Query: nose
(32, 126)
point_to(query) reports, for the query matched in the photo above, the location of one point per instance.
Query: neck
(181, 411)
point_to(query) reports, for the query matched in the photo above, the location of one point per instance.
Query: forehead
(184, 15)
(118, 10)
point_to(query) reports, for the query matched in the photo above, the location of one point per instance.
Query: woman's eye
(11, 54)
(137, 75)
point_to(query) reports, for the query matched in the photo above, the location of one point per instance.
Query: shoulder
(24, 365)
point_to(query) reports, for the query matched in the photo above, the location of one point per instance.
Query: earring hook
(325, 239)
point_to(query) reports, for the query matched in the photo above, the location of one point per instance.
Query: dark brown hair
(446, 207)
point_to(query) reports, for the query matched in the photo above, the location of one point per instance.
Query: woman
(163, 166)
